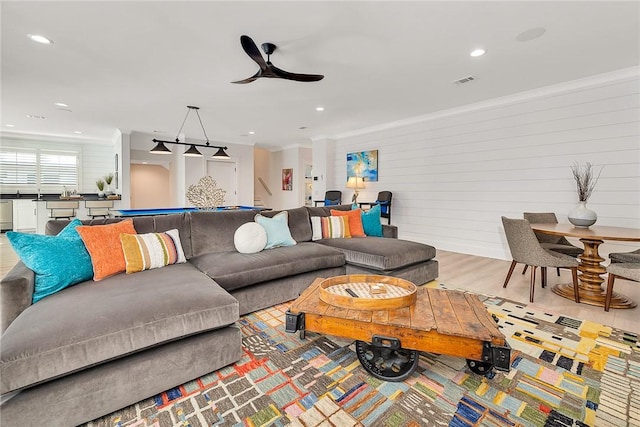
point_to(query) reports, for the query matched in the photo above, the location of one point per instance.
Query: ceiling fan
(267, 69)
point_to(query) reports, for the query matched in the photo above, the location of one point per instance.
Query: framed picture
(363, 164)
(287, 179)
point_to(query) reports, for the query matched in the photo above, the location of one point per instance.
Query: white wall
(262, 169)
(295, 158)
(454, 174)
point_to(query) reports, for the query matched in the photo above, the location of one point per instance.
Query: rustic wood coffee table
(392, 320)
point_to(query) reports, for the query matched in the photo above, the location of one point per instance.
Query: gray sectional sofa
(96, 347)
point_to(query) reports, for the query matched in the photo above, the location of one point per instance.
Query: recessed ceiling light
(61, 104)
(39, 39)
(478, 52)
(77, 131)
(530, 34)
(319, 108)
(251, 132)
(34, 116)
(10, 126)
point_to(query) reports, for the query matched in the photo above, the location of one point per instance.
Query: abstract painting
(287, 179)
(363, 164)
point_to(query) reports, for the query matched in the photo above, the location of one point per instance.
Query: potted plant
(100, 185)
(585, 183)
(108, 179)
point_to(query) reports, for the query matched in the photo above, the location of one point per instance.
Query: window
(31, 168)
(58, 168)
(18, 166)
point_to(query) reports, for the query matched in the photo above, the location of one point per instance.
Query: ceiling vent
(463, 80)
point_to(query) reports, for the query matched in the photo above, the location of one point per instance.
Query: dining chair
(526, 249)
(630, 271)
(548, 241)
(626, 257)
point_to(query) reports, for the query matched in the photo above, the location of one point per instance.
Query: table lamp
(355, 182)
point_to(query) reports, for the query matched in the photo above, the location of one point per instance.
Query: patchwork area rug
(564, 372)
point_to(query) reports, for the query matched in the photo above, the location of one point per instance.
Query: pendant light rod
(160, 148)
(189, 144)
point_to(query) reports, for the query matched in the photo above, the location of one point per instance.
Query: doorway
(225, 174)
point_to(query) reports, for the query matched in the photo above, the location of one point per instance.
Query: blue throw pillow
(58, 261)
(371, 222)
(277, 229)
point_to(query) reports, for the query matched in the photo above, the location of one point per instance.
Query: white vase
(100, 194)
(582, 217)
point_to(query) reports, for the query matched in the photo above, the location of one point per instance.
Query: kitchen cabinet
(24, 215)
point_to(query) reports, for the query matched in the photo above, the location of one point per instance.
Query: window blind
(58, 168)
(18, 166)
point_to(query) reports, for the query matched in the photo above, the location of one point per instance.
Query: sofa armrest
(389, 231)
(16, 293)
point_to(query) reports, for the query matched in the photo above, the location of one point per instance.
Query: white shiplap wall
(454, 174)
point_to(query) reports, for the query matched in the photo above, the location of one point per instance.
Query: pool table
(166, 211)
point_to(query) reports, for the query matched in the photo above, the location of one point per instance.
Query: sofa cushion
(250, 238)
(142, 224)
(213, 232)
(93, 322)
(277, 229)
(355, 221)
(151, 250)
(103, 244)
(380, 253)
(371, 222)
(299, 223)
(57, 261)
(233, 270)
(330, 227)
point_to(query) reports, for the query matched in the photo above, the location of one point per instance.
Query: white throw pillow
(250, 238)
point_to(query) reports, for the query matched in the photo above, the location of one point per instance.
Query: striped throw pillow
(151, 250)
(329, 227)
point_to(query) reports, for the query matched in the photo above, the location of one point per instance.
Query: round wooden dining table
(590, 280)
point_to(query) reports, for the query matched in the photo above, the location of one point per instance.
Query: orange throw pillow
(355, 221)
(104, 246)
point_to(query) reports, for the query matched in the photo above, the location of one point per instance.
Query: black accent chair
(331, 198)
(384, 200)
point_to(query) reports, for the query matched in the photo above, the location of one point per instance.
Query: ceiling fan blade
(252, 50)
(250, 79)
(294, 76)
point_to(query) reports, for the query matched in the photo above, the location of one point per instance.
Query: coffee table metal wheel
(388, 363)
(480, 368)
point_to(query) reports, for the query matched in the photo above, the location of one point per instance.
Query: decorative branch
(585, 182)
(205, 194)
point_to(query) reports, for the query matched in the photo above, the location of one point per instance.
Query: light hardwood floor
(486, 276)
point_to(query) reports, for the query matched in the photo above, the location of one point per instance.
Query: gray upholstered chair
(526, 249)
(626, 257)
(630, 271)
(548, 241)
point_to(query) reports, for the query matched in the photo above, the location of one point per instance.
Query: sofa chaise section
(266, 278)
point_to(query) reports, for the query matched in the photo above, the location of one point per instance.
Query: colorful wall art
(287, 179)
(363, 164)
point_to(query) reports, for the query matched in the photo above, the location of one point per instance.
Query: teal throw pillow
(58, 261)
(277, 229)
(371, 222)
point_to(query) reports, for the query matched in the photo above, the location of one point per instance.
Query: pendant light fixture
(192, 151)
